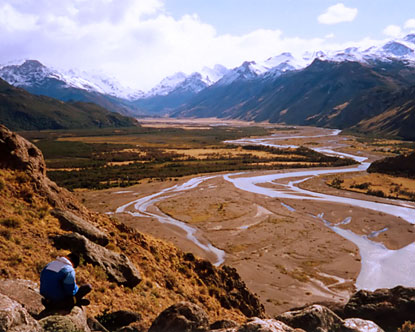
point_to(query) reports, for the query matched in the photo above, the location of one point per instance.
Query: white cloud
(338, 13)
(136, 41)
(393, 31)
(410, 24)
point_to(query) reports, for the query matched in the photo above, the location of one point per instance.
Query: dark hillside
(20, 110)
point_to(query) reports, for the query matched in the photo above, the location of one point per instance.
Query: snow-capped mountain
(32, 73)
(190, 83)
(101, 83)
(247, 71)
(193, 83)
(166, 85)
(212, 75)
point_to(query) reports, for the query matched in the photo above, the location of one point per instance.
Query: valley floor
(286, 248)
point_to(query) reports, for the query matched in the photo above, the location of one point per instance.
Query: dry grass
(390, 186)
(25, 248)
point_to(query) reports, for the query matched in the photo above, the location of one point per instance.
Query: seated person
(58, 285)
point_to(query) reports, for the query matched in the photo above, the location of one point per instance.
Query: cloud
(135, 41)
(410, 24)
(393, 31)
(338, 13)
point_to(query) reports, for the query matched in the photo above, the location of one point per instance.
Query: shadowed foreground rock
(181, 317)
(117, 266)
(115, 320)
(389, 308)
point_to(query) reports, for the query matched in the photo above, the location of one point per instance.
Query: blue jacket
(57, 280)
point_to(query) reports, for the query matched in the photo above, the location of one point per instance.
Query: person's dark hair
(74, 258)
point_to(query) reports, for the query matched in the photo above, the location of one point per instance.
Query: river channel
(380, 266)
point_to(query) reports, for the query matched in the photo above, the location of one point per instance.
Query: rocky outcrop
(15, 318)
(389, 308)
(181, 317)
(71, 222)
(321, 319)
(75, 321)
(25, 292)
(18, 153)
(235, 293)
(117, 266)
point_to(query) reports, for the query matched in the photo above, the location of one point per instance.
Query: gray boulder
(75, 321)
(25, 292)
(181, 317)
(71, 222)
(361, 325)
(265, 325)
(14, 318)
(313, 318)
(117, 266)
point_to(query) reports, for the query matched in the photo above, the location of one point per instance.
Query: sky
(139, 42)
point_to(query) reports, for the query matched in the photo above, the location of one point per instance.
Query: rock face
(72, 222)
(25, 292)
(14, 318)
(389, 308)
(181, 317)
(117, 266)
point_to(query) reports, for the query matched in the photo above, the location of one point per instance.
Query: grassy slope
(25, 247)
(20, 110)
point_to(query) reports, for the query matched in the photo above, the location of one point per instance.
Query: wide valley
(293, 238)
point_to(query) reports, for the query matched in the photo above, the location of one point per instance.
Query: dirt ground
(282, 251)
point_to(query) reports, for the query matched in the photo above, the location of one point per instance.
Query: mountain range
(347, 89)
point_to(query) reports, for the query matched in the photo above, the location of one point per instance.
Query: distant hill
(397, 166)
(20, 110)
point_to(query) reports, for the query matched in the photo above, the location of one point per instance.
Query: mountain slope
(315, 95)
(396, 114)
(38, 79)
(21, 110)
